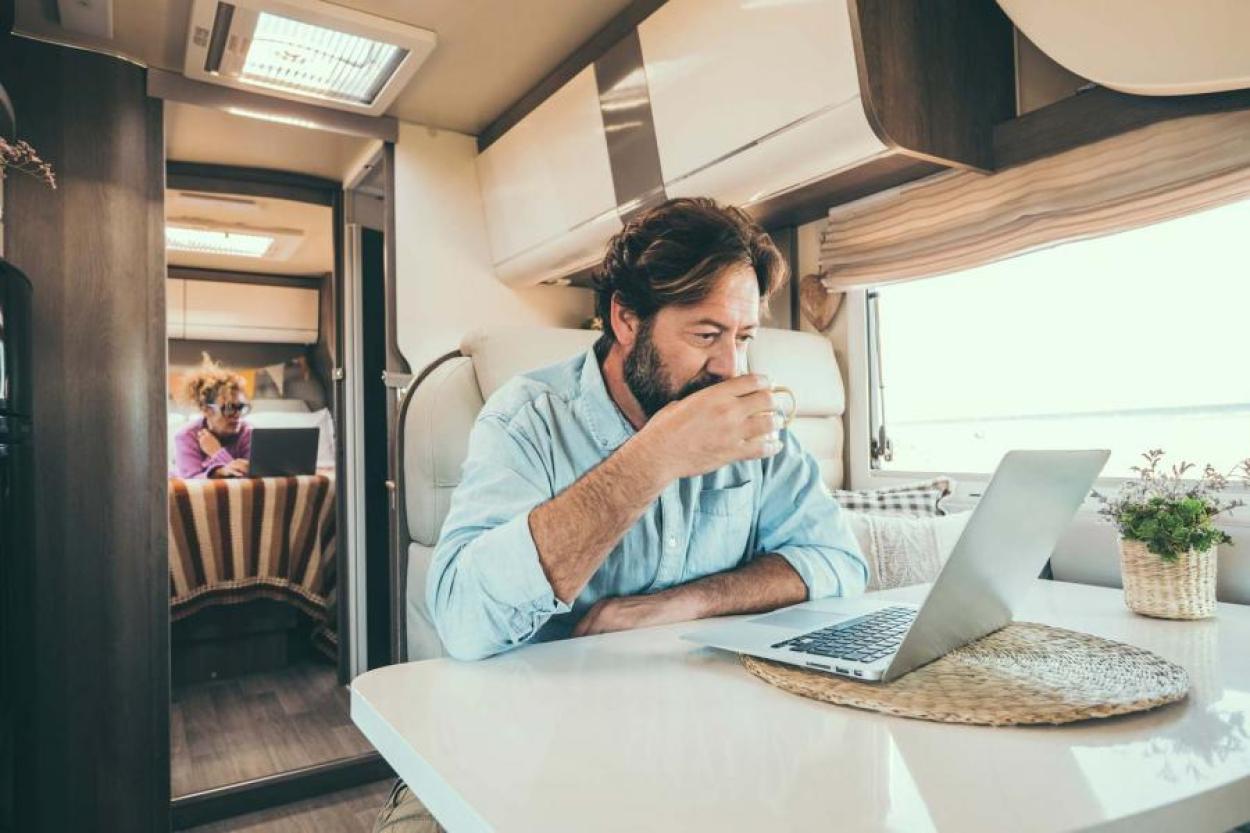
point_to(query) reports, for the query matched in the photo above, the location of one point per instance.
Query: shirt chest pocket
(722, 530)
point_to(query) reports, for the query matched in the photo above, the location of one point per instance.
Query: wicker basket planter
(1180, 589)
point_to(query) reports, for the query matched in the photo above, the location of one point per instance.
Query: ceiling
(314, 256)
(488, 55)
(198, 134)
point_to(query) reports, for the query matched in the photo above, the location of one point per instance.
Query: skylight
(213, 242)
(312, 51)
(297, 57)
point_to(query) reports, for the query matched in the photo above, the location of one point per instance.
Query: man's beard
(649, 380)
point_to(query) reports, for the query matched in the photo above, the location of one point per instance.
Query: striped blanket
(234, 540)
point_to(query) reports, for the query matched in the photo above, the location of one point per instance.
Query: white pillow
(176, 421)
(286, 406)
(317, 419)
(901, 551)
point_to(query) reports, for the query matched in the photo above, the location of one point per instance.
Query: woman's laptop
(1014, 528)
(283, 452)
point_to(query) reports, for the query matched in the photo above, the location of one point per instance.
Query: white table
(641, 731)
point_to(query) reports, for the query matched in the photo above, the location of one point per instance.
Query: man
(646, 481)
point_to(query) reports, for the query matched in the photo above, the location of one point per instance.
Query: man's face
(681, 350)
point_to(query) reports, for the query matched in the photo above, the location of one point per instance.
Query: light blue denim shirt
(540, 432)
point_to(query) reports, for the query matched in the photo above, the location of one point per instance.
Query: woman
(216, 444)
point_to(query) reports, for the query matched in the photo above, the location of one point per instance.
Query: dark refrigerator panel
(17, 558)
(15, 378)
(17, 644)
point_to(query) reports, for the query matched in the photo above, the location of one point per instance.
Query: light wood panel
(959, 220)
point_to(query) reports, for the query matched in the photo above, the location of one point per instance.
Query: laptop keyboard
(865, 639)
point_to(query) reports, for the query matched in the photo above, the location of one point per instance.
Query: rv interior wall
(94, 251)
(445, 283)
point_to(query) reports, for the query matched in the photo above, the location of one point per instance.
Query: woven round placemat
(1025, 673)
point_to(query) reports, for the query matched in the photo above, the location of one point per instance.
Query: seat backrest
(440, 411)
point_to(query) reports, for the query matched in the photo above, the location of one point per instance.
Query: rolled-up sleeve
(486, 590)
(803, 524)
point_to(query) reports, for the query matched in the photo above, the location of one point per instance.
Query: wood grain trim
(812, 201)
(251, 182)
(935, 77)
(961, 219)
(101, 676)
(582, 57)
(273, 790)
(1095, 115)
(188, 273)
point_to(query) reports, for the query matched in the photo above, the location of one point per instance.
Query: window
(1132, 341)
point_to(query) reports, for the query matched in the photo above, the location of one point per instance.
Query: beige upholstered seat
(440, 411)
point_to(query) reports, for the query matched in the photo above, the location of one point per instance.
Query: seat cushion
(805, 363)
(502, 353)
(421, 636)
(436, 440)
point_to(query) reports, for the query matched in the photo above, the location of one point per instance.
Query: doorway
(264, 645)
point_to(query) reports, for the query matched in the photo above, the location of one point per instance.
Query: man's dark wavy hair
(674, 253)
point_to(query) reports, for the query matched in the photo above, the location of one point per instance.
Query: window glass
(1129, 342)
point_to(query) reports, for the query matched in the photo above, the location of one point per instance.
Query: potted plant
(1168, 536)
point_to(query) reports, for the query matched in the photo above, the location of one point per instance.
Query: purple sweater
(190, 461)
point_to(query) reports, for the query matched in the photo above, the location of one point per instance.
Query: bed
(236, 540)
(249, 547)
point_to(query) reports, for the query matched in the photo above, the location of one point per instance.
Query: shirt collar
(607, 423)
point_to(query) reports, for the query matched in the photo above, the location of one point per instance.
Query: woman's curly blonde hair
(210, 384)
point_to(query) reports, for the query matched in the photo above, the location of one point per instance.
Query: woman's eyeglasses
(231, 408)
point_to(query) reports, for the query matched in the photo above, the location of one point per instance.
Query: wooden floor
(349, 811)
(226, 731)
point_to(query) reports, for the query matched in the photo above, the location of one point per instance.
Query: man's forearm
(765, 583)
(574, 531)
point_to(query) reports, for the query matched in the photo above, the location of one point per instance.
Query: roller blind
(960, 220)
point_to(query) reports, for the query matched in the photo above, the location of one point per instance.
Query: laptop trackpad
(804, 620)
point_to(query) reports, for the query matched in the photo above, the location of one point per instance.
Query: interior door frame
(396, 377)
(282, 787)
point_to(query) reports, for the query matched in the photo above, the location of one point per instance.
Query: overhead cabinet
(783, 108)
(223, 311)
(547, 185)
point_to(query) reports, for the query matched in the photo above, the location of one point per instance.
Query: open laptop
(1015, 526)
(283, 452)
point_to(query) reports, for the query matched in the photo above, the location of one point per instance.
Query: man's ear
(625, 323)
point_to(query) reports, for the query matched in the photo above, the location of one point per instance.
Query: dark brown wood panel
(94, 251)
(813, 201)
(343, 811)
(1098, 114)
(252, 182)
(188, 273)
(935, 75)
(585, 55)
(277, 790)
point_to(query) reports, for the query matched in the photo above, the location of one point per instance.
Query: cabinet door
(247, 312)
(724, 74)
(549, 174)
